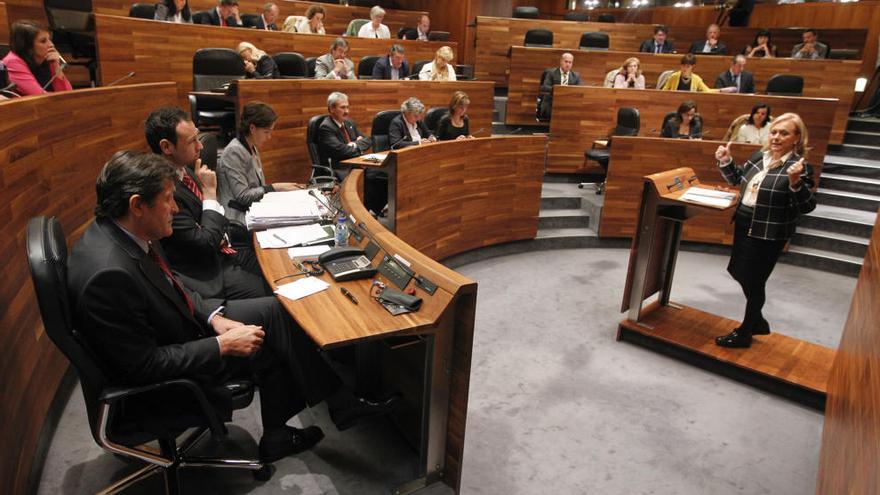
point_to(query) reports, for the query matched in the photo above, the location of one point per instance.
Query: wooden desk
(160, 51)
(582, 114)
(445, 321)
(51, 149)
(822, 78)
(496, 35)
(286, 156)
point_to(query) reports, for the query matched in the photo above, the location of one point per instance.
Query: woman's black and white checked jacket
(777, 207)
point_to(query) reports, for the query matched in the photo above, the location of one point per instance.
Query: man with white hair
(713, 45)
(375, 28)
(338, 137)
(269, 17)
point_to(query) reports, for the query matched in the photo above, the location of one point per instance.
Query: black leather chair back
(4, 75)
(576, 15)
(291, 65)
(433, 116)
(594, 41)
(4, 49)
(379, 132)
(365, 66)
(250, 20)
(142, 11)
(406, 33)
(310, 65)
(438, 35)
(525, 12)
(539, 38)
(417, 67)
(73, 28)
(213, 67)
(47, 259)
(785, 85)
(312, 139)
(202, 17)
(542, 110)
(606, 17)
(628, 122)
(210, 147)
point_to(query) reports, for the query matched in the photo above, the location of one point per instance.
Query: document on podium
(709, 197)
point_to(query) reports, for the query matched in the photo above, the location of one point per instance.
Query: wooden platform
(783, 365)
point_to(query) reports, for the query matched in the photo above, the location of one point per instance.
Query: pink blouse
(26, 83)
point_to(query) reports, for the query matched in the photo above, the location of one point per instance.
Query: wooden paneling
(295, 101)
(851, 438)
(632, 158)
(582, 114)
(159, 51)
(455, 196)
(496, 36)
(51, 149)
(335, 22)
(25, 9)
(822, 78)
(4, 25)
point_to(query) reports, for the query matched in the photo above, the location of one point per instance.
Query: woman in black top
(762, 46)
(685, 124)
(173, 11)
(454, 125)
(257, 64)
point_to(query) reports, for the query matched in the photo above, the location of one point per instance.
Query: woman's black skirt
(752, 259)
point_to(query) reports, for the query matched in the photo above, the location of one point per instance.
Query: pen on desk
(348, 294)
(279, 238)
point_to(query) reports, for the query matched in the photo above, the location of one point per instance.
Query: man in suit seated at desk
(392, 66)
(713, 45)
(409, 128)
(811, 47)
(226, 14)
(145, 326)
(335, 65)
(339, 138)
(562, 75)
(269, 17)
(659, 44)
(737, 79)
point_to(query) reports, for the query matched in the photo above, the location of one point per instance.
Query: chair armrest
(600, 143)
(193, 108)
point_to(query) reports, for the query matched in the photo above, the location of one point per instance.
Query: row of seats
(580, 16)
(543, 38)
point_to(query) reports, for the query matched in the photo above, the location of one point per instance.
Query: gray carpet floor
(556, 404)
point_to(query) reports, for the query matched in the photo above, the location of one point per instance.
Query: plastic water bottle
(341, 231)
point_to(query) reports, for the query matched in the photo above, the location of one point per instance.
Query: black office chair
(539, 38)
(250, 20)
(201, 17)
(406, 33)
(291, 65)
(606, 17)
(210, 149)
(213, 68)
(322, 172)
(433, 116)
(525, 12)
(785, 85)
(628, 124)
(438, 35)
(73, 31)
(142, 11)
(843, 54)
(379, 132)
(544, 103)
(4, 49)
(576, 15)
(112, 425)
(4, 83)
(596, 40)
(365, 66)
(417, 67)
(310, 66)
(464, 72)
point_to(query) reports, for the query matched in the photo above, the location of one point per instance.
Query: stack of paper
(297, 235)
(710, 197)
(301, 288)
(277, 209)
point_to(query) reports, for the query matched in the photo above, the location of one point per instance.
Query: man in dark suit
(409, 128)
(199, 248)
(393, 65)
(268, 18)
(226, 14)
(145, 326)
(659, 44)
(712, 45)
(562, 75)
(338, 137)
(737, 79)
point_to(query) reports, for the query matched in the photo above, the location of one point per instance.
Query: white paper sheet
(290, 236)
(300, 252)
(301, 288)
(711, 197)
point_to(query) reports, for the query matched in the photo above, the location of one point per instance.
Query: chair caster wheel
(264, 473)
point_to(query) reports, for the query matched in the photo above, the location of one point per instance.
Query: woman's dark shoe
(761, 328)
(289, 441)
(737, 338)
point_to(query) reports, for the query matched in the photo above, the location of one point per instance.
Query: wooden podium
(783, 365)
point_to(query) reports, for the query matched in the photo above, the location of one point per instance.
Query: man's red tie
(345, 133)
(164, 267)
(191, 185)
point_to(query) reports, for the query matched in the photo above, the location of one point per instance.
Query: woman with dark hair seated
(756, 129)
(240, 179)
(685, 79)
(173, 11)
(33, 63)
(762, 46)
(257, 63)
(454, 125)
(685, 124)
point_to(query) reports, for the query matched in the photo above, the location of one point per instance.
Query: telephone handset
(347, 263)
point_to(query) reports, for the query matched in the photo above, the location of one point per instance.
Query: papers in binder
(301, 288)
(278, 209)
(297, 235)
(375, 157)
(709, 197)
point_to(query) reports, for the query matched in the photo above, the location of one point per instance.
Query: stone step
(862, 137)
(560, 203)
(845, 199)
(850, 183)
(839, 220)
(863, 124)
(563, 219)
(830, 241)
(499, 109)
(846, 165)
(820, 259)
(861, 151)
(556, 238)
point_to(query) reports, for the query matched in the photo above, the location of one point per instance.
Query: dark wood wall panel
(4, 24)
(461, 195)
(822, 78)
(25, 9)
(295, 101)
(159, 51)
(851, 438)
(582, 114)
(51, 149)
(632, 158)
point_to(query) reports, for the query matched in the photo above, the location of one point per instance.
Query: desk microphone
(333, 211)
(10, 89)
(123, 78)
(57, 73)
(481, 129)
(514, 131)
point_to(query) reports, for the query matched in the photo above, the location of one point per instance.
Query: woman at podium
(775, 189)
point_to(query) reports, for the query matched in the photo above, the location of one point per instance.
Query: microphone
(333, 211)
(481, 129)
(10, 88)
(514, 131)
(123, 78)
